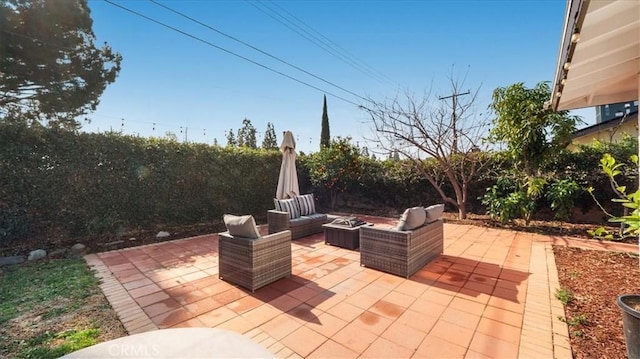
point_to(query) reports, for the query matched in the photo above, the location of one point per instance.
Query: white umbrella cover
(288, 180)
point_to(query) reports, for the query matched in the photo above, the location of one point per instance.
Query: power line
(185, 132)
(256, 49)
(315, 42)
(335, 45)
(229, 51)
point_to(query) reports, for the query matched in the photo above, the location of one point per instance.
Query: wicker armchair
(254, 263)
(400, 252)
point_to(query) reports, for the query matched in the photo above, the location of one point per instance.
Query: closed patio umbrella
(288, 180)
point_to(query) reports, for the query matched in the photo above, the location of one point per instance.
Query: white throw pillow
(434, 212)
(412, 218)
(241, 226)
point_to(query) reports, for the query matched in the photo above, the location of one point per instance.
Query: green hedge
(87, 184)
(582, 166)
(56, 183)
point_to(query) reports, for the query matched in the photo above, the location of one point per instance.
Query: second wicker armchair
(254, 263)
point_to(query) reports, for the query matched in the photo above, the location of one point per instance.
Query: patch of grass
(564, 295)
(35, 298)
(54, 345)
(576, 320)
(22, 288)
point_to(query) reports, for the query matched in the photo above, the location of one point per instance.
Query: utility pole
(454, 98)
(184, 130)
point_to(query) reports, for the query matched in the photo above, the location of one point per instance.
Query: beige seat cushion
(434, 212)
(241, 226)
(412, 218)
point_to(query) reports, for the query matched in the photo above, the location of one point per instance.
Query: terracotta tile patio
(490, 295)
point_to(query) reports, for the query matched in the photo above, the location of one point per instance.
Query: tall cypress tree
(231, 139)
(325, 138)
(270, 142)
(247, 134)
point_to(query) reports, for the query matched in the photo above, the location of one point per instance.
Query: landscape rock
(37, 254)
(78, 248)
(58, 253)
(114, 243)
(5, 261)
(162, 234)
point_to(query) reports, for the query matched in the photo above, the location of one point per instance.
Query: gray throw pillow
(434, 212)
(306, 204)
(412, 218)
(288, 205)
(241, 226)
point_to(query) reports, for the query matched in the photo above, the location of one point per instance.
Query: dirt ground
(593, 278)
(96, 244)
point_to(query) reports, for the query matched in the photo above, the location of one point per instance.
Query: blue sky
(172, 82)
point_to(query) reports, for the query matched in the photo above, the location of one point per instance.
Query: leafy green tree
(325, 138)
(270, 141)
(51, 72)
(247, 134)
(533, 135)
(231, 139)
(335, 168)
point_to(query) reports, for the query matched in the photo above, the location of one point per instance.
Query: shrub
(56, 183)
(504, 201)
(562, 195)
(335, 169)
(69, 184)
(629, 200)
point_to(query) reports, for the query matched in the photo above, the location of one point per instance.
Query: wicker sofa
(400, 252)
(254, 263)
(301, 222)
(300, 227)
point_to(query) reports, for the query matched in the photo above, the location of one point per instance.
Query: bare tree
(426, 130)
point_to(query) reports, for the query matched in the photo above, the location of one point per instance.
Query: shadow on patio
(489, 294)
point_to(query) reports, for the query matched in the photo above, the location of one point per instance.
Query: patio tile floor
(490, 295)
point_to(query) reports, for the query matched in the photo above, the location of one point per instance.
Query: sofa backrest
(302, 205)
